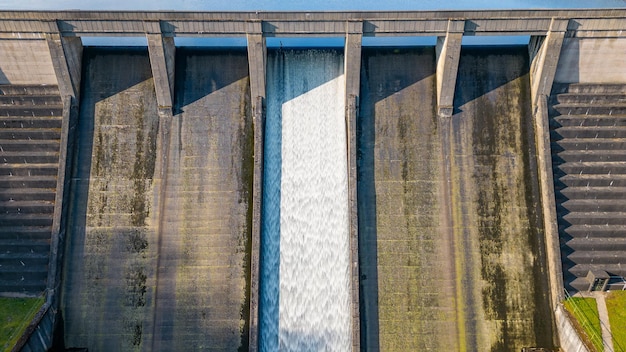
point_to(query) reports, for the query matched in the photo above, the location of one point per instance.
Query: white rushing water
(305, 287)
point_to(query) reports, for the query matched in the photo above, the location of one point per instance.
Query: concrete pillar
(66, 54)
(162, 58)
(544, 53)
(352, 71)
(257, 58)
(448, 53)
(546, 185)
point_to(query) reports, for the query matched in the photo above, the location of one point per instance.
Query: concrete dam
(430, 198)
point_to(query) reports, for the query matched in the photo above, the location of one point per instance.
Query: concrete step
(586, 109)
(26, 219)
(598, 257)
(30, 100)
(28, 89)
(592, 231)
(26, 207)
(43, 110)
(580, 156)
(32, 276)
(585, 205)
(25, 247)
(594, 218)
(581, 270)
(27, 233)
(587, 132)
(27, 288)
(579, 284)
(30, 122)
(27, 182)
(587, 121)
(560, 145)
(596, 168)
(19, 268)
(24, 194)
(13, 145)
(597, 244)
(30, 133)
(29, 157)
(29, 261)
(589, 180)
(591, 98)
(598, 193)
(591, 88)
(30, 169)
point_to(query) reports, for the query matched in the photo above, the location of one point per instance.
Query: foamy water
(305, 288)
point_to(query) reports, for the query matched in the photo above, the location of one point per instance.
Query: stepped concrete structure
(483, 182)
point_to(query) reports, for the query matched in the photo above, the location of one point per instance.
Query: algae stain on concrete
(119, 111)
(498, 115)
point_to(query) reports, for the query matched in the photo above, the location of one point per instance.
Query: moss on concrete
(15, 315)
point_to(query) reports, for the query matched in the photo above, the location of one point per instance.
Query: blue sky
(302, 5)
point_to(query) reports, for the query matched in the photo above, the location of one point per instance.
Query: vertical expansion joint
(354, 27)
(152, 26)
(254, 26)
(456, 26)
(51, 26)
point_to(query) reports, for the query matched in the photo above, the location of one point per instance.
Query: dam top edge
(590, 12)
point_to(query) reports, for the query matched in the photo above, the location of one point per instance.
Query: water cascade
(305, 288)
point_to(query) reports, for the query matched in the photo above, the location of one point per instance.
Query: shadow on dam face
(158, 249)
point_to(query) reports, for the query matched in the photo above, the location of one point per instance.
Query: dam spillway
(305, 288)
(374, 198)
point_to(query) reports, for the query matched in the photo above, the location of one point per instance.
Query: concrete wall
(205, 216)
(407, 275)
(592, 60)
(158, 251)
(26, 62)
(570, 341)
(110, 260)
(502, 291)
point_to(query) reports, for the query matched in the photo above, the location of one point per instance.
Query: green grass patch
(585, 311)
(616, 305)
(15, 315)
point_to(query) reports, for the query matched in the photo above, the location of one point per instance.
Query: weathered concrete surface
(448, 49)
(592, 60)
(502, 282)
(257, 58)
(407, 269)
(202, 284)
(26, 62)
(109, 267)
(158, 250)
(352, 72)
